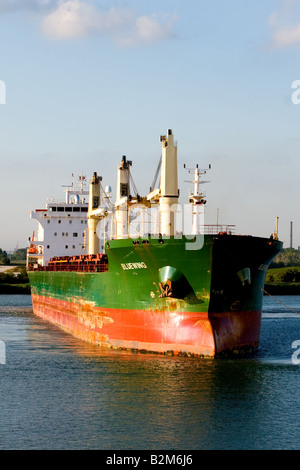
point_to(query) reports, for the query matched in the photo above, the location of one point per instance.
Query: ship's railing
(209, 229)
(217, 229)
(78, 268)
(82, 263)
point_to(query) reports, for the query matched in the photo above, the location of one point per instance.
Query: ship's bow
(239, 267)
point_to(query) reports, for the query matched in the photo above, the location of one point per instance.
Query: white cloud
(148, 29)
(286, 36)
(11, 6)
(70, 19)
(75, 18)
(285, 31)
(67, 19)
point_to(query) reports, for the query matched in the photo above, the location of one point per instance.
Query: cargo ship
(149, 276)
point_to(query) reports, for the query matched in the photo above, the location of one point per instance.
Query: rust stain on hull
(171, 333)
(160, 332)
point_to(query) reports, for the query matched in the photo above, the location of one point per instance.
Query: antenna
(196, 197)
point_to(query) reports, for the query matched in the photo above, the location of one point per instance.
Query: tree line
(288, 257)
(17, 255)
(4, 259)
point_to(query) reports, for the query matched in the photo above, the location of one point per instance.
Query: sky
(83, 82)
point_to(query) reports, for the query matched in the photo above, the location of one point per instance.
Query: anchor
(166, 289)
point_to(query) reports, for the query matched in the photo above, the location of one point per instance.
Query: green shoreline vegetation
(282, 278)
(13, 275)
(14, 281)
(283, 275)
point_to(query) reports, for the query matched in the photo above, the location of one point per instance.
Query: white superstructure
(62, 226)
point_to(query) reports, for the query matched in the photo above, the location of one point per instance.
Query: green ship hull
(199, 297)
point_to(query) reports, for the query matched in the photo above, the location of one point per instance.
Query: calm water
(59, 393)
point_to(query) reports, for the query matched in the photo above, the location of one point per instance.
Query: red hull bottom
(164, 332)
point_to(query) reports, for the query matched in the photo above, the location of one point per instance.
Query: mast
(77, 191)
(94, 202)
(169, 192)
(122, 196)
(276, 228)
(196, 197)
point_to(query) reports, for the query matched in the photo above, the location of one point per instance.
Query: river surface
(57, 392)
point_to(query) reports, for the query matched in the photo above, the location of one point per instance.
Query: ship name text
(141, 265)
